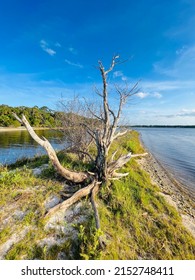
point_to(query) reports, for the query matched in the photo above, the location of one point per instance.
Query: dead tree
(102, 134)
(109, 119)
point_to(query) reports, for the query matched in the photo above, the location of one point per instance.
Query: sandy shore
(175, 193)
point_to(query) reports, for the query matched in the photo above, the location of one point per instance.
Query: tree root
(73, 199)
(96, 214)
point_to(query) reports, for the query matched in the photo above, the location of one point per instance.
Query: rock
(38, 170)
(15, 238)
(189, 223)
(52, 201)
(19, 215)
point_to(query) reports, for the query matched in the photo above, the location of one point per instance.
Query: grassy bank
(136, 221)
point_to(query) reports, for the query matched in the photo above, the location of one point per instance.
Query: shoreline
(22, 128)
(173, 191)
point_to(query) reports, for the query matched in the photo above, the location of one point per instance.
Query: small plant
(89, 243)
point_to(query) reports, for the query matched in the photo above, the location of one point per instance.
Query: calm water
(175, 149)
(18, 144)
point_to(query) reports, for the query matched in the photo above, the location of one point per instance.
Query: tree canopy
(38, 117)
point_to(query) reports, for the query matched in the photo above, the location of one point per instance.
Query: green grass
(136, 222)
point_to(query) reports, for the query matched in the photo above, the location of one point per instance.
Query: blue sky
(50, 48)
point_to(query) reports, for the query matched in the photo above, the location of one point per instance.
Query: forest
(38, 117)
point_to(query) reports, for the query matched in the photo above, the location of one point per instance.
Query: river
(175, 149)
(18, 144)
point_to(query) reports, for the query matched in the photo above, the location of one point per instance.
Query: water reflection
(175, 148)
(18, 144)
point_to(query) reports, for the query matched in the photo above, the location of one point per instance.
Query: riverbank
(173, 191)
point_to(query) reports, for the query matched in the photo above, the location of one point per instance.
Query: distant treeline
(159, 126)
(38, 117)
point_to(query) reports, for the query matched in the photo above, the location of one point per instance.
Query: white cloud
(73, 64)
(142, 94)
(50, 51)
(45, 47)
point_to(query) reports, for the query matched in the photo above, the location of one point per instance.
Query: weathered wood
(76, 177)
(73, 199)
(96, 214)
(120, 162)
(109, 120)
(93, 203)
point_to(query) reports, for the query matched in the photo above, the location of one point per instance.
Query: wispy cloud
(120, 74)
(142, 95)
(157, 95)
(45, 47)
(183, 67)
(73, 63)
(73, 50)
(181, 114)
(117, 74)
(58, 45)
(168, 85)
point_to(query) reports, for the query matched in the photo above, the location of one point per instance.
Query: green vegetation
(136, 221)
(38, 117)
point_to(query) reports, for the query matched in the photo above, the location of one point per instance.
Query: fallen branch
(139, 155)
(73, 199)
(76, 177)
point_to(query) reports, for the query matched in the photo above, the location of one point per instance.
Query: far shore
(4, 129)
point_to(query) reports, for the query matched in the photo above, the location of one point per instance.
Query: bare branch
(92, 112)
(118, 176)
(97, 91)
(89, 130)
(113, 155)
(85, 153)
(139, 155)
(119, 134)
(112, 166)
(76, 177)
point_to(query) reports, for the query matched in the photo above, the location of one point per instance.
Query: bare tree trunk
(101, 163)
